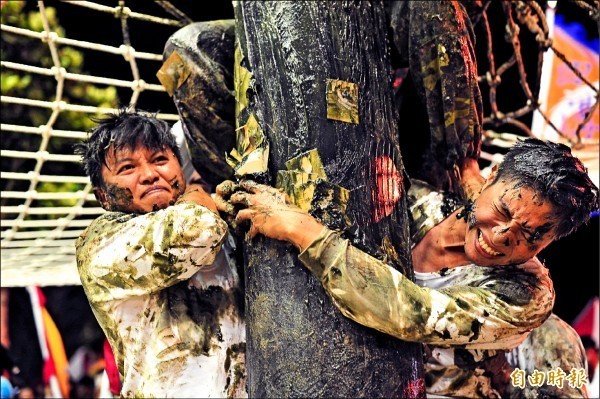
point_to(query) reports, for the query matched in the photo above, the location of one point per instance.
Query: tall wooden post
(315, 75)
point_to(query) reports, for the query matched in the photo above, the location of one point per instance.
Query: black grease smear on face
(176, 185)
(119, 197)
(469, 214)
(539, 232)
(155, 207)
(466, 211)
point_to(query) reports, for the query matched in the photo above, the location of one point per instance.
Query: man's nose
(148, 174)
(503, 235)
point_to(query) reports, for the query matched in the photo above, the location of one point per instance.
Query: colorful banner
(564, 97)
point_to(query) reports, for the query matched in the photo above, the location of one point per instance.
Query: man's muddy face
(508, 225)
(140, 180)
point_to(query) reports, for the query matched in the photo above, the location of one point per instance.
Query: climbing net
(44, 211)
(39, 227)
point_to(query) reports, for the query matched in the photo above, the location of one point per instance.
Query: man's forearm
(376, 295)
(137, 255)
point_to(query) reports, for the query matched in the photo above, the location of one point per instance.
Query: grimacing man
(157, 269)
(479, 288)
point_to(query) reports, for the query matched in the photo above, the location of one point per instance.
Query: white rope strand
(130, 14)
(82, 44)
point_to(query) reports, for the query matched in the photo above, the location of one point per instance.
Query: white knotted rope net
(37, 236)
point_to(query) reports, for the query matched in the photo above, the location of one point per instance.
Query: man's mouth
(152, 190)
(486, 248)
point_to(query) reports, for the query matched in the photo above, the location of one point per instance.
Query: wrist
(303, 231)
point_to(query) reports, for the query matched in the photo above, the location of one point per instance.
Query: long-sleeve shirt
(491, 307)
(459, 371)
(466, 315)
(168, 298)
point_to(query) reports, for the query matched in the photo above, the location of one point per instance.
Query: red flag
(114, 380)
(56, 365)
(586, 322)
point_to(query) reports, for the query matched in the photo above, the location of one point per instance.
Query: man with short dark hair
(480, 290)
(164, 290)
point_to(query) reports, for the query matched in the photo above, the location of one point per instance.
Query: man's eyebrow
(160, 151)
(130, 159)
(123, 160)
(504, 207)
(524, 228)
(530, 234)
(527, 233)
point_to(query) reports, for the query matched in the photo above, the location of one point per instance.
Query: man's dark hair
(124, 129)
(556, 175)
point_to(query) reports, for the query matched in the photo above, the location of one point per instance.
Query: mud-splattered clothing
(487, 307)
(460, 371)
(168, 298)
(550, 349)
(465, 314)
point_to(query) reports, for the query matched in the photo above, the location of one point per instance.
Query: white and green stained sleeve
(552, 347)
(122, 255)
(495, 313)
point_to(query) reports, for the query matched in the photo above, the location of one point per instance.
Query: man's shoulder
(428, 207)
(101, 226)
(177, 226)
(111, 218)
(532, 272)
(112, 221)
(520, 285)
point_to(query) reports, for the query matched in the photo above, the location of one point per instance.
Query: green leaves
(12, 82)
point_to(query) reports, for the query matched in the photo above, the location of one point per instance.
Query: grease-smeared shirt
(167, 296)
(491, 307)
(466, 315)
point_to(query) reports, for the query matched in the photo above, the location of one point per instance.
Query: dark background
(573, 261)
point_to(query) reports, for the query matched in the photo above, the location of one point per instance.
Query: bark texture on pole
(299, 344)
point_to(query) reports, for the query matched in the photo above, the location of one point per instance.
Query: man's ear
(101, 197)
(490, 178)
